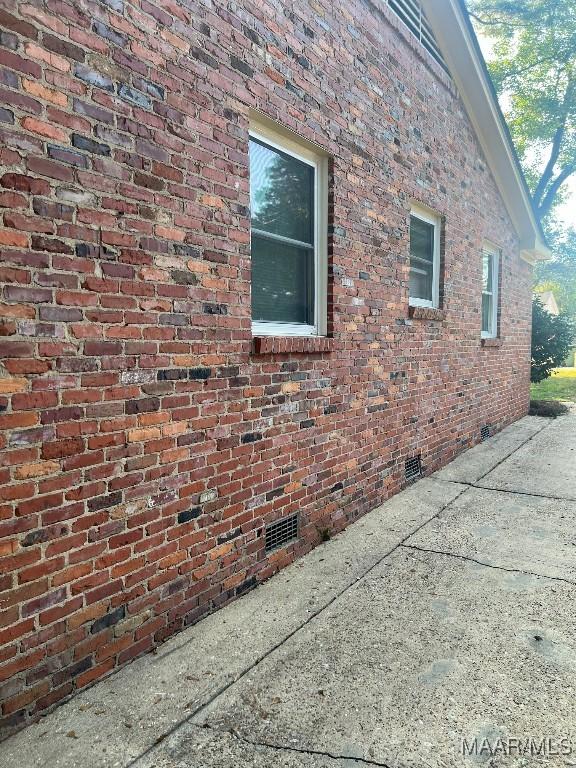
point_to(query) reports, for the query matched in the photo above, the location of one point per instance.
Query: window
(424, 258)
(490, 268)
(289, 234)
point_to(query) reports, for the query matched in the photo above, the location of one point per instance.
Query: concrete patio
(445, 615)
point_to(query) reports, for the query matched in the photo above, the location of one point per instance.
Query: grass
(560, 386)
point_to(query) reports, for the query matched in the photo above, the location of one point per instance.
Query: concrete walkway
(447, 614)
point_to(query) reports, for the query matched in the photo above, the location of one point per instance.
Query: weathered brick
(108, 620)
(133, 96)
(63, 47)
(6, 115)
(21, 27)
(89, 145)
(24, 183)
(65, 155)
(147, 437)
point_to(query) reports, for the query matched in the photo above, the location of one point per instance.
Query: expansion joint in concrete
(278, 645)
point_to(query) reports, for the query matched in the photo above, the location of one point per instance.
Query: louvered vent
(281, 532)
(413, 468)
(411, 13)
(485, 432)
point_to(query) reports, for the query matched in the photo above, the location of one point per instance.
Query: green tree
(533, 67)
(552, 338)
(559, 274)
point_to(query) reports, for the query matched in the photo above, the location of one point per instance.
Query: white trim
(301, 151)
(282, 329)
(430, 217)
(490, 250)
(451, 30)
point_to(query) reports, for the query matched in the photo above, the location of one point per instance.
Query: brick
(65, 155)
(52, 245)
(62, 448)
(37, 469)
(6, 116)
(21, 27)
(44, 129)
(89, 145)
(46, 94)
(108, 33)
(92, 77)
(63, 47)
(108, 620)
(16, 62)
(146, 436)
(40, 54)
(10, 238)
(43, 602)
(134, 96)
(24, 183)
(16, 349)
(11, 385)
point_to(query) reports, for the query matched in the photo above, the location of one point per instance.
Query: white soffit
(456, 42)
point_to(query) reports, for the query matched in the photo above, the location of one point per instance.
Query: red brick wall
(128, 382)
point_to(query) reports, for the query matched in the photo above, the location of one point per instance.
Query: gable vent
(411, 13)
(281, 532)
(484, 432)
(413, 468)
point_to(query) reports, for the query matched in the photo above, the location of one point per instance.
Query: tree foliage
(559, 274)
(552, 338)
(534, 70)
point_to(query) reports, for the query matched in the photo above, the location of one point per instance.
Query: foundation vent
(484, 432)
(413, 468)
(281, 532)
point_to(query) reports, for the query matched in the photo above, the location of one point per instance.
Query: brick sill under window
(491, 343)
(284, 345)
(426, 313)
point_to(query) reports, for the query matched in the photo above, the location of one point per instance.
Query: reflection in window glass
(489, 293)
(421, 259)
(282, 199)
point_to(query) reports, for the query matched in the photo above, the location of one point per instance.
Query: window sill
(491, 342)
(426, 313)
(284, 345)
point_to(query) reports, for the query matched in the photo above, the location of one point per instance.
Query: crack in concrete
(315, 614)
(498, 463)
(302, 751)
(278, 645)
(488, 565)
(545, 426)
(513, 492)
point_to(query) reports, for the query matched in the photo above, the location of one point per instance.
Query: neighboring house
(548, 301)
(263, 264)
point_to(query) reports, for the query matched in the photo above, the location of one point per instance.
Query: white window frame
(281, 139)
(488, 249)
(430, 217)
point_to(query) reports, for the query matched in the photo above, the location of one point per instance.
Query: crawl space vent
(281, 532)
(413, 468)
(485, 432)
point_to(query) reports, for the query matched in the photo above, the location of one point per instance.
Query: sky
(566, 212)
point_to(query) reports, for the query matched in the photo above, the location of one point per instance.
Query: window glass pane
(282, 282)
(487, 313)
(281, 193)
(421, 259)
(487, 271)
(421, 281)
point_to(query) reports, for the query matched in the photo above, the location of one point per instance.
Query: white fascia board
(459, 51)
